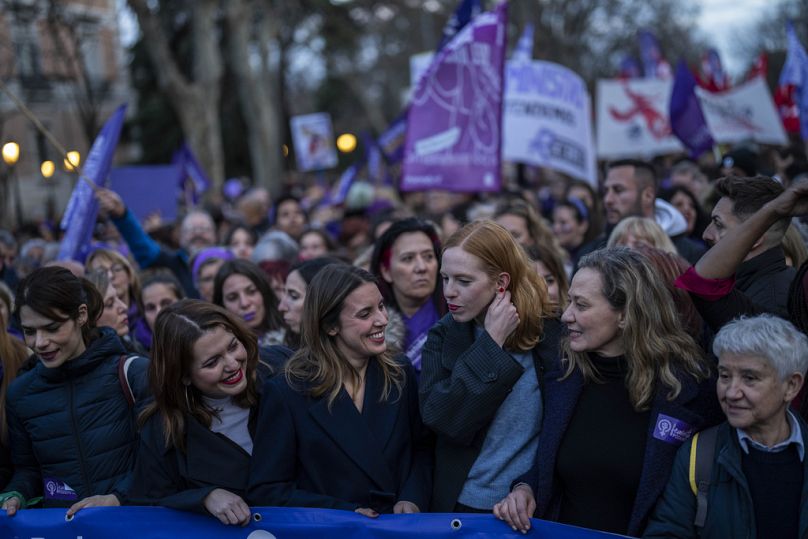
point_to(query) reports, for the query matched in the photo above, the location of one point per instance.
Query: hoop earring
(187, 400)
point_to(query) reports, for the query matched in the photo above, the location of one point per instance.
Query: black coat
(463, 383)
(306, 455)
(168, 477)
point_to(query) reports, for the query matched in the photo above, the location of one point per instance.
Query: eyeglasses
(116, 268)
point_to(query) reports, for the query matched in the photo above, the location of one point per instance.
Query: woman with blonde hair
(632, 232)
(341, 429)
(630, 388)
(481, 367)
(121, 273)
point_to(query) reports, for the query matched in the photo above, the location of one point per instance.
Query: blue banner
(148, 189)
(686, 117)
(274, 523)
(82, 209)
(795, 72)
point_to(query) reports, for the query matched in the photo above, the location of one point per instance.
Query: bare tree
(196, 99)
(250, 28)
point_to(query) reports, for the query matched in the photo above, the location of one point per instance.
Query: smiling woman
(197, 435)
(342, 429)
(72, 395)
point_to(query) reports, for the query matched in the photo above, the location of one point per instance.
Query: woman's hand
(368, 512)
(405, 507)
(101, 500)
(11, 506)
(110, 202)
(517, 508)
(501, 319)
(229, 508)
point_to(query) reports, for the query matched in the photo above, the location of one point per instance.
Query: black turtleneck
(601, 453)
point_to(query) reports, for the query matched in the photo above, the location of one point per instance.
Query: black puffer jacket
(73, 426)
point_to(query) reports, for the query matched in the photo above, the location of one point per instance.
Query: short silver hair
(275, 246)
(766, 336)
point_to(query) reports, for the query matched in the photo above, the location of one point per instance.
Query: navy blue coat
(729, 501)
(696, 405)
(168, 477)
(73, 424)
(308, 456)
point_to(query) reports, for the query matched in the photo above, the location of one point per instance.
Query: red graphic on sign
(641, 105)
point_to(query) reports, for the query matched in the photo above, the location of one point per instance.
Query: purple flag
(795, 72)
(192, 170)
(82, 209)
(629, 68)
(454, 124)
(392, 140)
(686, 116)
(654, 64)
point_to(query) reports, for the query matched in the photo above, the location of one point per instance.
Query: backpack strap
(124, 363)
(702, 455)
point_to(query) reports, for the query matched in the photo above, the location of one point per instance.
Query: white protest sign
(746, 112)
(313, 137)
(547, 119)
(632, 118)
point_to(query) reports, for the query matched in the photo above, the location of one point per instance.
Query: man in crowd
(630, 191)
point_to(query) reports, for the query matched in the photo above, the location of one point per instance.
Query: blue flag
(82, 209)
(392, 140)
(193, 171)
(270, 522)
(686, 117)
(654, 64)
(523, 52)
(795, 72)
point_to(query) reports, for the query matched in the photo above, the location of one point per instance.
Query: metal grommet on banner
(68, 518)
(257, 517)
(456, 524)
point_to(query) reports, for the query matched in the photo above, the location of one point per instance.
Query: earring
(187, 400)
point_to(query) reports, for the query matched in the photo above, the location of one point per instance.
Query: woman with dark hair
(294, 295)
(552, 270)
(197, 435)
(241, 240)
(159, 290)
(630, 382)
(688, 205)
(71, 423)
(315, 243)
(482, 368)
(586, 193)
(114, 313)
(571, 225)
(289, 216)
(341, 429)
(243, 288)
(406, 261)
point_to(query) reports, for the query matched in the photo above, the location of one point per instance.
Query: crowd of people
(628, 358)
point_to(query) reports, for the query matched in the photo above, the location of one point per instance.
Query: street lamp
(11, 154)
(72, 160)
(346, 142)
(47, 168)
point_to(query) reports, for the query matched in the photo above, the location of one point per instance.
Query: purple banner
(82, 209)
(191, 170)
(454, 124)
(686, 117)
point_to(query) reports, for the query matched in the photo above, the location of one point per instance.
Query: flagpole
(48, 135)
